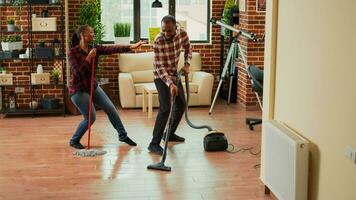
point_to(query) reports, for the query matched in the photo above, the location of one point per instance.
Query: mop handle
(91, 99)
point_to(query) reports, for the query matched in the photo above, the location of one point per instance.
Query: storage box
(49, 103)
(10, 54)
(38, 79)
(6, 79)
(38, 1)
(44, 24)
(7, 55)
(43, 52)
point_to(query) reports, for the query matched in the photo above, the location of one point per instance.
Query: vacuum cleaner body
(215, 141)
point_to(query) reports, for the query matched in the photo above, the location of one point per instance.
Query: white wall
(315, 85)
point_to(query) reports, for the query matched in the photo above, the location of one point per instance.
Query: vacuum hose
(187, 105)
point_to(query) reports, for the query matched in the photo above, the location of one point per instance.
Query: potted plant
(11, 25)
(55, 75)
(89, 14)
(41, 43)
(11, 42)
(122, 33)
(2, 70)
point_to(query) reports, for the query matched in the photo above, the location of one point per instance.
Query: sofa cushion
(130, 62)
(145, 76)
(193, 87)
(195, 63)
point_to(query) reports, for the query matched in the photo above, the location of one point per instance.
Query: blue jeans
(81, 101)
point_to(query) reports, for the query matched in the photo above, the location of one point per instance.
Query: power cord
(249, 149)
(232, 150)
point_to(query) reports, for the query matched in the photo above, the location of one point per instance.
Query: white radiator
(284, 168)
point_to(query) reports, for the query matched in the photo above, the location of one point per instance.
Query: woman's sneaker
(76, 145)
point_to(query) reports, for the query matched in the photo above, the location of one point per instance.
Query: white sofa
(136, 70)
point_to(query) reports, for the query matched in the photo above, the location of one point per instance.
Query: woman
(81, 56)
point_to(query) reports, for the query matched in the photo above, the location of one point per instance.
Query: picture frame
(242, 5)
(261, 6)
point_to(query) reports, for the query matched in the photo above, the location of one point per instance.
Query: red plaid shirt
(81, 69)
(167, 54)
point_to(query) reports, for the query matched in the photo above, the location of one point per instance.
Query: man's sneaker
(155, 148)
(128, 141)
(76, 145)
(174, 138)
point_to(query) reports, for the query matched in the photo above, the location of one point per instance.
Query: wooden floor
(36, 161)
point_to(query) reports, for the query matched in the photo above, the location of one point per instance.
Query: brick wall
(21, 68)
(254, 22)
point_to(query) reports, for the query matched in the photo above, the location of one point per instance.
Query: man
(167, 48)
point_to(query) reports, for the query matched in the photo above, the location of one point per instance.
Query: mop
(90, 152)
(161, 166)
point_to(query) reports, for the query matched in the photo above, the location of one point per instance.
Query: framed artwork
(242, 5)
(261, 5)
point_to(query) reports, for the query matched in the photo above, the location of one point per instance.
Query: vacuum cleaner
(213, 141)
(167, 130)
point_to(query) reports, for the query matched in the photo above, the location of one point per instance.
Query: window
(151, 17)
(194, 15)
(113, 11)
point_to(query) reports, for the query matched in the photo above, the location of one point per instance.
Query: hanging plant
(89, 14)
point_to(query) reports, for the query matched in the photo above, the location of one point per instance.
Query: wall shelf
(32, 61)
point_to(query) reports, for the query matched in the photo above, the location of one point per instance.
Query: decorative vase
(10, 28)
(39, 69)
(28, 52)
(42, 44)
(33, 105)
(122, 40)
(55, 80)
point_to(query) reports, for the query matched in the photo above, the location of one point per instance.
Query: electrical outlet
(19, 89)
(351, 154)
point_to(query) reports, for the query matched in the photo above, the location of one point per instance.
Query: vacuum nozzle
(159, 166)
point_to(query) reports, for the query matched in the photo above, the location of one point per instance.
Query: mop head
(89, 152)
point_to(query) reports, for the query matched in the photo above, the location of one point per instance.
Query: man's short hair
(169, 18)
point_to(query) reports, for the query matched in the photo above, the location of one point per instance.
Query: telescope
(230, 60)
(251, 36)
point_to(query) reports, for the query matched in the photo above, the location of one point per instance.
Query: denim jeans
(81, 101)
